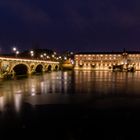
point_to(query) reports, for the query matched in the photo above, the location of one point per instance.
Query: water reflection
(13, 92)
(105, 82)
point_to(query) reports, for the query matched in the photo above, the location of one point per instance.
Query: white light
(33, 94)
(17, 52)
(14, 49)
(65, 58)
(31, 52)
(72, 61)
(41, 55)
(45, 54)
(48, 57)
(52, 55)
(59, 57)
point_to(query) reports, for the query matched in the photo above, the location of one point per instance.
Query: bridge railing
(27, 59)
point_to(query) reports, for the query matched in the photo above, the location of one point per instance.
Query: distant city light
(65, 58)
(52, 55)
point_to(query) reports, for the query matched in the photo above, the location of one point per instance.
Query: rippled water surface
(99, 97)
(56, 87)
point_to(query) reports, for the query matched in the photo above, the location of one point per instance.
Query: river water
(69, 95)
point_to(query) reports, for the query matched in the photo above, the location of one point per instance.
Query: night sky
(75, 25)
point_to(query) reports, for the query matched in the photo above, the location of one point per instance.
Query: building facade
(107, 61)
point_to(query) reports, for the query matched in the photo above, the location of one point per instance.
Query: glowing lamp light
(72, 62)
(31, 52)
(44, 54)
(17, 52)
(14, 48)
(41, 56)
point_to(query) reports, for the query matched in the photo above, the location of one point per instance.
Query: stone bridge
(19, 66)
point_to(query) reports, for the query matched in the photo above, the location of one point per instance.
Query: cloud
(87, 14)
(27, 12)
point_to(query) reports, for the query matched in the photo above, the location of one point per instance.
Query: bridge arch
(56, 67)
(49, 67)
(39, 68)
(20, 69)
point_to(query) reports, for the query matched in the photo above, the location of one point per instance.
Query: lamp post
(65, 58)
(14, 50)
(48, 57)
(17, 52)
(41, 56)
(44, 55)
(32, 54)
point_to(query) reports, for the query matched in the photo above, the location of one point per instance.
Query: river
(69, 95)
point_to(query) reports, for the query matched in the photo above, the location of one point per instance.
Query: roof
(113, 52)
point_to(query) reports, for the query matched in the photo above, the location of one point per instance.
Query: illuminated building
(107, 61)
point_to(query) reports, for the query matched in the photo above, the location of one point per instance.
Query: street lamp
(65, 58)
(17, 52)
(71, 53)
(14, 49)
(41, 56)
(32, 53)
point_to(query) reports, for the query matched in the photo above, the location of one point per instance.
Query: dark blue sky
(75, 25)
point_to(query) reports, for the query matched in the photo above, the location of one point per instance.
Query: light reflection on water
(13, 92)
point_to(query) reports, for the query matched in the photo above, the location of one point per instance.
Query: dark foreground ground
(102, 118)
